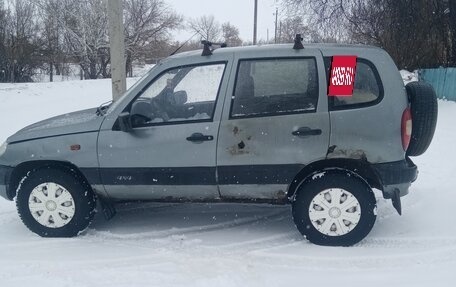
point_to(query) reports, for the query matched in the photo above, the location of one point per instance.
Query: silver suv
(249, 124)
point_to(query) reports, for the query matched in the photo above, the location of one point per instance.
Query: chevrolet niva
(248, 124)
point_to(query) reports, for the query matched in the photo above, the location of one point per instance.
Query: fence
(443, 80)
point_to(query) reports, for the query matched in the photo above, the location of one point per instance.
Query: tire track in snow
(188, 230)
(168, 241)
(3, 213)
(374, 253)
(8, 217)
(39, 241)
(263, 243)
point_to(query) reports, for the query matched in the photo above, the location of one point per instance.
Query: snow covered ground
(228, 244)
(74, 73)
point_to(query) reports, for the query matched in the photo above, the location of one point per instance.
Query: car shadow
(160, 220)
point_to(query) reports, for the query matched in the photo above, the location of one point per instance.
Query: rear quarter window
(368, 88)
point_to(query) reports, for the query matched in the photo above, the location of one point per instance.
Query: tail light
(406, 128)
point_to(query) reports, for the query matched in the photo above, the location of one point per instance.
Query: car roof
(325, 48)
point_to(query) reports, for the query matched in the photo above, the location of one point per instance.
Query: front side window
(182, 94)
(275, 87)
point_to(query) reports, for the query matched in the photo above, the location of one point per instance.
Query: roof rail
(207, 51)
(298, 42)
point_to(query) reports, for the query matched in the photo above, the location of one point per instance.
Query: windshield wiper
(101, 110)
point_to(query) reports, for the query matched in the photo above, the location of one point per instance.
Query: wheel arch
(24, 168)
(361, 168)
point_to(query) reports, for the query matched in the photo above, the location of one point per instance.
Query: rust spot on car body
(236, 130)
(236, 150)
(281, 195)
(346, 153)
(241, 146)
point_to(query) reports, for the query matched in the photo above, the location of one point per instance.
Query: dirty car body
(251, 124)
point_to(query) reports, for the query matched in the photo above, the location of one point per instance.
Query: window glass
(179, 95)
(274, 87)
(367, 88)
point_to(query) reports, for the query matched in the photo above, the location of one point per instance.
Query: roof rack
(207, 51)
(298, 42)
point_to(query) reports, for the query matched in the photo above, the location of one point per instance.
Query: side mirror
(124, 120)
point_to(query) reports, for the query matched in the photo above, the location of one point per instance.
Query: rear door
(274, 122)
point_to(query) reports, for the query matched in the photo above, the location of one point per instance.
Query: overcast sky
(237, 12)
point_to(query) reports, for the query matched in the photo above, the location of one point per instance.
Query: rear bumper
(398, 172)
(396, 177)
(5, 174)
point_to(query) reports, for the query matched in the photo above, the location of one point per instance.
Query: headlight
(3, 148)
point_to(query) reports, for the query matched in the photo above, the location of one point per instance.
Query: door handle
(199, 137)
(306, 131)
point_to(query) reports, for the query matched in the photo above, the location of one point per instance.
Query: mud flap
(396, 199)
(108, 209)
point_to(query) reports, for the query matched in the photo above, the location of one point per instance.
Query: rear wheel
(55, 203)
(334, 208)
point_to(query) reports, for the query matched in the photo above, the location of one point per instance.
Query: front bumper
(5, 175)
(396, 177)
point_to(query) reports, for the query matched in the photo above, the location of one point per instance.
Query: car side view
(247, 124)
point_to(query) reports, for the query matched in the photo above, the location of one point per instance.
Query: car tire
(424, 108)
(55, 203)
(318, 215)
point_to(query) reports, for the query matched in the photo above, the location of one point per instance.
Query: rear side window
(275, 87)
(368, 89)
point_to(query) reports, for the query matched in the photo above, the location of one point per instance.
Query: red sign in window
(342, 78)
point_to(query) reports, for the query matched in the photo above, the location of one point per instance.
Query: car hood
(72, 123)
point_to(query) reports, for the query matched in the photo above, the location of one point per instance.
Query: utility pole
(280, 32)
(117, 47)
(276, 19)
(255, 22)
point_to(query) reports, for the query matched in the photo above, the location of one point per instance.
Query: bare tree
(48, 33)
(19, 41)
(206, 27)
(414, 32)
(230, 35)
(52, 40)
(328, 19)
(84, 26)
(294, 25)
(3, 43)
(452, 15)
(148, 23)
(89, 37)
(84, 30)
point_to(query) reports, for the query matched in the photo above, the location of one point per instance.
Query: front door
(274, 123)
(171, 151)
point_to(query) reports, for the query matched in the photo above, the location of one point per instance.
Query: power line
(255, 22)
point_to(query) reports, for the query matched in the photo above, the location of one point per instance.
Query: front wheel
(334, 208)
(55, 203)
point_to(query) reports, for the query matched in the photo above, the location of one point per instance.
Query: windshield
(116, 103)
